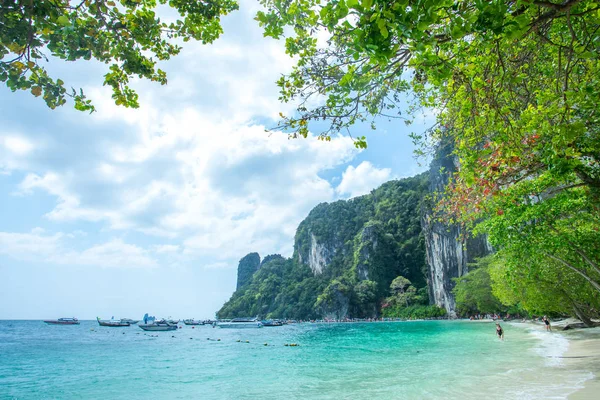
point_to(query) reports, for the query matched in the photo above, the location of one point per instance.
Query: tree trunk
(582, 316)
(595, 284)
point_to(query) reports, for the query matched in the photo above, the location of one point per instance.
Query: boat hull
(158, 328)
(113, 324)
(238, 325)
(272, 324)
(62, 322)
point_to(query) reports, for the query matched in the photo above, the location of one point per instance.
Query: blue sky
(124, 212)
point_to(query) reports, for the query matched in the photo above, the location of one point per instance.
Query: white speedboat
(240, 323)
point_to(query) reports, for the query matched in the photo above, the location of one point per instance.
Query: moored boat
(131, 321)
(192, 322)
(240, 323)
(112, 323)
(62, 321)
(272, 322)
(159, 326)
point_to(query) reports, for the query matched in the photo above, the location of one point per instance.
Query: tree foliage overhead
(515, 85)
(127, 35)
(529, 282)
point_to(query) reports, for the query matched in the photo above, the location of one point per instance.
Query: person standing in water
(499, 332)
(547, 322)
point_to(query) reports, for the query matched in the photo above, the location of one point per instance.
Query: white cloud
(114, 253)
(166, 248)
(17, 144)
(52, 249)
(193, 164)
(37, 230)
(68, 206)
(14, 150)
(29, 246)
(362, 179)
(226, 187)
(219, 265)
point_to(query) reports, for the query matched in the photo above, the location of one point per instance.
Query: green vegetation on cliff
(346, 255)
(248, 265)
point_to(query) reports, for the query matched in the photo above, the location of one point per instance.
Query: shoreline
(582, 354)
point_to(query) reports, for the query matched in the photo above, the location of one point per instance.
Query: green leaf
(63, 20)
(352, 3)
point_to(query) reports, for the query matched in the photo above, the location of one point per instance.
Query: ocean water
(391, 360)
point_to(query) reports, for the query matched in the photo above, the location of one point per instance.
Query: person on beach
(499, 332)
(547, 322)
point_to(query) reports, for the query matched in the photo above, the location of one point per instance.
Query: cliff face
(321, 236)
(447, 253)
(247, 266)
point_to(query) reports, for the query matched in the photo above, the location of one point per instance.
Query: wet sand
(584, 354)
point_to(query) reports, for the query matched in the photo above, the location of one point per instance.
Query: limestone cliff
(247, 266)
(346, 254)
(447, 253)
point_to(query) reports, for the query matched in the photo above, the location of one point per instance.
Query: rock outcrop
(247, 266)
(319, 255)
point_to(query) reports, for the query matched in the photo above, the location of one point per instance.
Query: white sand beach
(584, 354)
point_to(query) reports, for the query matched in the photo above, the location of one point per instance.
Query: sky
(125, 212)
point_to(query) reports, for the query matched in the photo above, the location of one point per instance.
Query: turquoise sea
(382, 360)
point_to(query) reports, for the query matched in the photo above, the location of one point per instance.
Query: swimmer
(499, 332)
(547, 322)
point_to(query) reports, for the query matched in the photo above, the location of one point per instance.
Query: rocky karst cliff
(247, 266)
(346, 254)
(448, 253)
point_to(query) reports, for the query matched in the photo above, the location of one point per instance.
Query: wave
(561, 380)
(551, 345)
